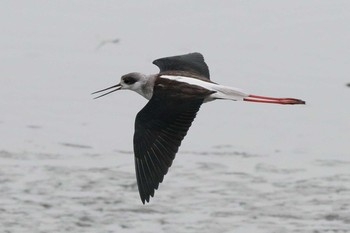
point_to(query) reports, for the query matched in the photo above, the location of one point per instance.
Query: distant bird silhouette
(113, 41)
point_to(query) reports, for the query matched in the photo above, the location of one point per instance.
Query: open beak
(272, 100)
(115, 88)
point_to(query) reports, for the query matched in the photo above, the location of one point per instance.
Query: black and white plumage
(175, 95)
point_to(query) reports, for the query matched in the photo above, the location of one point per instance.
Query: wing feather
(192, 62)
(159, 130)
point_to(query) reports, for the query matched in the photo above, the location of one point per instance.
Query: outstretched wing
(159, 129)
(192, 62)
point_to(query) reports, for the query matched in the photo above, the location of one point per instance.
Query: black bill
(115, 88)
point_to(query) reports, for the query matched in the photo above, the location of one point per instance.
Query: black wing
(159, 129)
(192, 62)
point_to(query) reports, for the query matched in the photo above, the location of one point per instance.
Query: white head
(133, 81)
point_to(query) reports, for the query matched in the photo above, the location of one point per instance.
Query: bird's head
(132, 81)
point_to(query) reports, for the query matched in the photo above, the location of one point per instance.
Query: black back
(193, 63)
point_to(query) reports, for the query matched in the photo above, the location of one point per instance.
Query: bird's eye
(129, 80)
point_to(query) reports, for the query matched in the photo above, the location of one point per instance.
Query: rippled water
(216, 191)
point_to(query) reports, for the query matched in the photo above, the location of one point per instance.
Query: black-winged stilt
(175, 95)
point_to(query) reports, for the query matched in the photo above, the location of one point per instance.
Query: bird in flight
(175, 95)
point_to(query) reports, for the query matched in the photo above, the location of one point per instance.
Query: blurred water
(221, 190)
(66, 160)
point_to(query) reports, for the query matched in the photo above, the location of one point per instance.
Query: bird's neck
(146, 89)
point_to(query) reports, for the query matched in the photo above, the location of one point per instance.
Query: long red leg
(273, 100)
